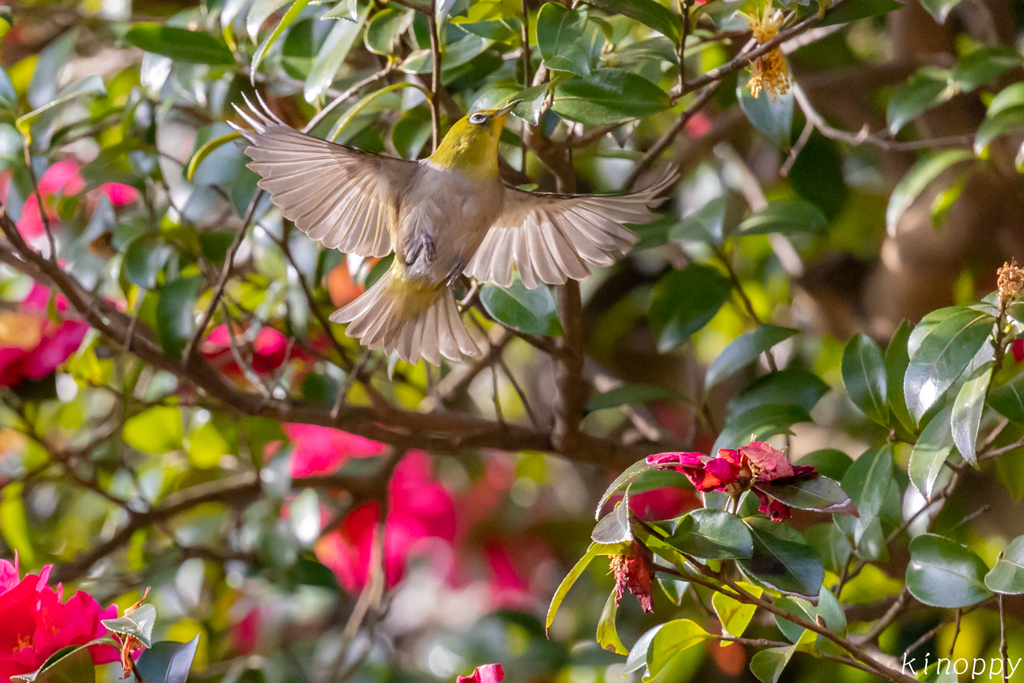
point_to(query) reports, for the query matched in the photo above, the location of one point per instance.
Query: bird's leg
(425, 247)
(454, 273)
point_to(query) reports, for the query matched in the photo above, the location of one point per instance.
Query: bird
(444, 216)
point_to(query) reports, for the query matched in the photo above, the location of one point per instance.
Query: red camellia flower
(35, 622)
(735, 471)
(488, 673)
(1017, 349)
(31, 345)
(269, 351)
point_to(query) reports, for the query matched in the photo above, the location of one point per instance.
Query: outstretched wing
(343, 197)
(550, 238)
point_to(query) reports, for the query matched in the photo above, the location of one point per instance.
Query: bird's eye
(477, 118)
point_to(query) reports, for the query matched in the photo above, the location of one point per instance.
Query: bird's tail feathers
(376, 318)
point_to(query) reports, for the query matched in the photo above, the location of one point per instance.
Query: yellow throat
(472, 143)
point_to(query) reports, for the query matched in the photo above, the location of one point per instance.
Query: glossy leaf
(331, 56)
(607, 634)
(940, 9)
(773, 117)
(1008, 400)
(180, 44)
(684, 301)
(759, 423)
(707, 224)
(944, 573)
(782, 387)
(175, 314)
(637, 658)
(992, 127)
(782, 558)
(1007, 576)
(917, 180)
(607, 97)
(594, 550)
(647, 12)
(983, 66)
(138, 624)
(559, 31)
(384, 28)
(943, 355)
(965, 419)
(711, 534)
(897, 358)
(924, 90)
(674, 637)
(71, 665)
(820, 494)
(833, 547)
(289, 17)
(630, 473)
(615, 527)
(867, 482)
(531, 311)
(767, 665)
(927, 468)
(735, 615)
(744, 350)
(786, 217)
(865, 379)
(168, 661)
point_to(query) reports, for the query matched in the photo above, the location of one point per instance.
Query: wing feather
(335, 194)
(550, 238)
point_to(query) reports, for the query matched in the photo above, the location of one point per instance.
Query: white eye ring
(477, 118)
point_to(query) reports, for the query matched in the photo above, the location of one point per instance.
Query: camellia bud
(1011, 282)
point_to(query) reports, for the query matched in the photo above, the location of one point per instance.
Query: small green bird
(443, 216)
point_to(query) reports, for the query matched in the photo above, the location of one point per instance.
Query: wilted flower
(130, 643)
(1011, 282)
(35, 622)
(769, 71)
(487, 673)
(32, 346)
(633, 573)
(735, 471)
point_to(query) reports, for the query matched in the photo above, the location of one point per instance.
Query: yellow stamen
(768, 72)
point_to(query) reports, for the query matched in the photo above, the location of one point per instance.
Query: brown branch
(435, 75)
(571, 387)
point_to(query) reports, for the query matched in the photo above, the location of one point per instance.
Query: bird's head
(472, 143)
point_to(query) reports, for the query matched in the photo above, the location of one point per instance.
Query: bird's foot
(425, 248)
(454, 273)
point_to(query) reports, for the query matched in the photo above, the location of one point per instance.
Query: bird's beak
(507, 108)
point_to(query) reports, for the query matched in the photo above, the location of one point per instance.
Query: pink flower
(488, 673)
(419, 509)
(269, 351)
(35, 623)
(322, 450)
(120, 194)
(31, 345)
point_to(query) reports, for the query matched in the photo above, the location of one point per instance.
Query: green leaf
(532, 102)
(14, 522)
(531, 311)
(744, 350)
(867, 483)
(782, 558)
(829, 462)
(917, 179)
(91, 85)
(768, 665)
(143, 261)
(820, 494)
(289, 17)
(773, 117)
(927, 468)
(863, 9)
(637, 658)
(138, 624)
(684, 301)
(259, 12)
(210, 147)
(967, 408)
(944, 573)
(593, 551)
(943, 355)
(939, 9)
(559, 31)
(631, 472)
(786, 217)
(384, 29)
(1007, 576)
(608, 97)
(983, 66)
(927, 88)
(180, 44)
(831, 544)
(865, 379)
(761, 422)
(797, 607)
(735, 615)
(782, 387)
(647, 12)
(345, 9)
(711, 535)
(1008, 400)
(331, 56)
(614, 527)
(1010, 97)
(168, 661)
(607, 635)
(674, 589)
(992, 127)
(896, 361)
(157, 430)
(632, 394)
(175, 314)
(707, 224)
(674, 637)
(73, 665)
